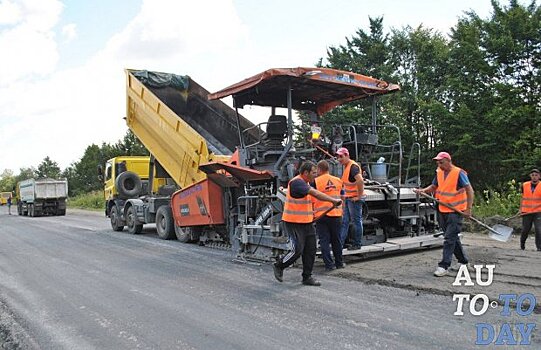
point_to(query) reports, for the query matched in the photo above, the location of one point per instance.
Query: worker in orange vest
(452, 186)
(328, 226)
(353, 181)
(298, 217)
(530, 209)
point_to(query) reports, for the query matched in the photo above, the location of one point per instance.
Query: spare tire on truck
(128, 185)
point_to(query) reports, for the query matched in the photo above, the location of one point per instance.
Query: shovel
(512, 217)
(498, 232)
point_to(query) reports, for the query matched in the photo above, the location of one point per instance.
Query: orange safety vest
(447, 192)
(531, 201)
(331, 186)
(350, 187)
(297, 210)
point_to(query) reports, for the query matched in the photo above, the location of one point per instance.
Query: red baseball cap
(442, 155)
(342, 150)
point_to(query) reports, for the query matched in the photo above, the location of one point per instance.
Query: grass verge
(91, 201)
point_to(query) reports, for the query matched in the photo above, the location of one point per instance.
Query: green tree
(82, 175)
(26, 173)
(130, 146)
(48, 168)
(7, 181)
(364, 53)
(417, 60)
(494, 125)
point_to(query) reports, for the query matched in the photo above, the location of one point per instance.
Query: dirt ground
(516, 271)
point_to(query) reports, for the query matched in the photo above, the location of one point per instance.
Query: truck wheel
(131, 220)
(187, 234)
(129, 185)
(164, 223)
(114, 215)
(61, 212)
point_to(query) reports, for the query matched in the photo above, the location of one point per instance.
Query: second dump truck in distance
(37, 197)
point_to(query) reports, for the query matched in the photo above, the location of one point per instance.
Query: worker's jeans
(328, 231)
(527, 221)
(352, 209)
(451, 224)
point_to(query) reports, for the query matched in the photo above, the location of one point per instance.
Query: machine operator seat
(276, 131)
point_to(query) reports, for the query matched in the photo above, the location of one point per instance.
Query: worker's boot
(278, 272)
(310, 281)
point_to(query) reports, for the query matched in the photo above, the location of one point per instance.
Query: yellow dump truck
(171, 115)
(4, 197)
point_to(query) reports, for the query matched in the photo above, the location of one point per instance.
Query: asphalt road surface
(72, 283)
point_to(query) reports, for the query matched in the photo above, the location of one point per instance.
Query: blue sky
(93, 30)
(61, 68)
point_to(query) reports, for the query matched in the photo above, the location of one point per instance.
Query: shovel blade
(500, 233)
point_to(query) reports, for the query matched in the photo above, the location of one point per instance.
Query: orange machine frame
(198, 204)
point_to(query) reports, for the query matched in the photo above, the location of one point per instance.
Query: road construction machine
(228, 174)
(240, 202)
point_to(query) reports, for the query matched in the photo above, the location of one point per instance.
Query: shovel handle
(512, 217)
(327, 211)
(444, 204)
(460, 212)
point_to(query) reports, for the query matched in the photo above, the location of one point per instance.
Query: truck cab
(136, 164)
(127, 178)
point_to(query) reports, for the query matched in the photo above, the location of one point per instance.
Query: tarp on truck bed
(158, 79)
(172, 116)
(214, 120)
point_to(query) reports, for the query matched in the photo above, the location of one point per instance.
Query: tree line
(82, 175)
(475, 94)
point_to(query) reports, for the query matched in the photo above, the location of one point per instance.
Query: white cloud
(61, 113)
(9, 12)
(166, 30)
(27, 39)
(69, 31)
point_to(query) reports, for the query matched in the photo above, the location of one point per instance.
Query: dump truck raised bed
(37, 197)
(171, 115)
